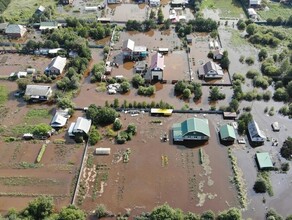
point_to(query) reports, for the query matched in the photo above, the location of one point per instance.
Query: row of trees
(280, 21)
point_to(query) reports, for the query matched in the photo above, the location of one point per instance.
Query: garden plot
(156, 170)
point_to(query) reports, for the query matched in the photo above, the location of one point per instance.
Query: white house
(81, 127)
(38, 92)
(255, 134)
(210, 70)
(157, 66)
(56, 66)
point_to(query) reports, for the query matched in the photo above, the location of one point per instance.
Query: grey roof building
(38, 92)
(81, 126)
(15, 30)
(210, 70)
(56, 66)
(255, 134)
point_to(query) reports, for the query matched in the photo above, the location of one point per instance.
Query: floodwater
(147, 181)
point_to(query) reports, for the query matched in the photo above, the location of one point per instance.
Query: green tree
(41, 129)
(251, 29)
(191, 216)
(100, 211)
(263, 54)
(65, 102)
(243, 121)
(132, 129)
(289, 89)
(117, 124)
(272, 214)
(197, 87)
(286, 149)
(165, 212)
(179, 87)
(233, 105)
(138, 80)
(215, 94)
(187, 93)
(94, 136)
(160, 16)
(281, 95)
(208, 215)
(231, 214)
(225, 62)
(260, 186)
(125, 87)
(71, 213)
(39, 208)
(22, 83)
(152, 14)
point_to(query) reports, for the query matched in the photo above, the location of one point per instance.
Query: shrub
(146, 91)
(260, 186)
(187, 93)
(137, 81)
(252, 74)
(41, 153)
(249, 61)
(132, 128)
(100, 211)
(239, 76)
(285, 167)
(94, 136)
(286, 150)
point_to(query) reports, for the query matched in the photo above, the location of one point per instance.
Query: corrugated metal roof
(58, 63)
(82, 124)
(264, 160)
(191, 125)
(37, 90)
(227, 131)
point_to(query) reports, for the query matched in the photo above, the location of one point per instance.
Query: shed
(30, 71)
(102, 151)
(38, 92)
(163, 50)
(70, 130)
(229, 115)
(15, 30)
(58, 121)
(251, 13)
(91, 8)
(48, 25)
(81, 126)
(275, 126)
(227, 133)
(264, 161)
(189, 39)
(159, 111)
(56, 66)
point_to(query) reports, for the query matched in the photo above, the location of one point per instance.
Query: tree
(179, 87)
(160, 16)
(101, 115)
(215, 94)
(231, 214)
(243, 121)
(272, 214)
(100, 211)
(289, 89)
(94, 136)
(260, 186)
(281, 95)
(208, 215)
(71, 213)
(65, 103)
(152, 14)
(252, 73)
(197, 87)
(225, 62)
(249, 60)
(117, 124)
(187, 93)
(165, 212)
(233, 105)
(125, 87)
(251, 29)
(191, 216)
(22, 83)
(39, 208)
(286, 150)
(138, 80)
(132, 129)
(263, 54)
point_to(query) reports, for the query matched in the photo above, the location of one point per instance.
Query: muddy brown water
(146, 182)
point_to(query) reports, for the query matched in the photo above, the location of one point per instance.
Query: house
(218, 54)
(275, 126)
(3, 27)
(15, 30)
(161, 112)
(194, 129)
(56, 66)
(38, 92)
(252, 13)
(255, 3)
(189, 38)
(58, 121)
(264, 161)
(40, 9)
(256, 135)
(80, 127)
(66, 2)
(227, 133)
(210, 70)
(141, 66)
(154, 3)
(102, 151)
(48, 25)
(132, 52)
(157, 67)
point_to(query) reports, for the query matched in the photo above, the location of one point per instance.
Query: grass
(275, 10)
(3, 95)
(34, 115)
(236, 40)
(27, 181)
(228, 8)
(26, 165)
(22, 10)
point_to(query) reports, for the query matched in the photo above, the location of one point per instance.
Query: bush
(249, 61)
(138, 80)
(281, 95)
(179, 87)
(146, 91)
(285, 167)
(125, 87)
(261, 81)
(187, 93)
(286, 150)
(132, 128)
(100, 211)
(238, 76)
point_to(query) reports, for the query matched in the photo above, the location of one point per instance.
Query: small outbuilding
(252, 13)
(102, 151)
(58, 121)
(15, 30)
(229, 115)
(264, 161)
(48, 25)
(81, 127)
(189, 39)
(56, 66)
(38, 92)
(161, 112)
(227, 133)
(218, 54)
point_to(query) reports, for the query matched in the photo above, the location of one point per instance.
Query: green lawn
(228, 8)
(236, 40)
(3, 95)
(275, 10)
(22, 10)
(37, 115)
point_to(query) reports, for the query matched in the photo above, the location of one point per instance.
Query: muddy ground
(156, 170)
(54, 175)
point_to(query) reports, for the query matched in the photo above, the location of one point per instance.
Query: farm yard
(156, 170)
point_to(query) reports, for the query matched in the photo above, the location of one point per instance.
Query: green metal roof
(191, 125)
(264, 160)
(227, 131)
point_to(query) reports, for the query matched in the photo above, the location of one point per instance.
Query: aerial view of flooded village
(145, 109)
